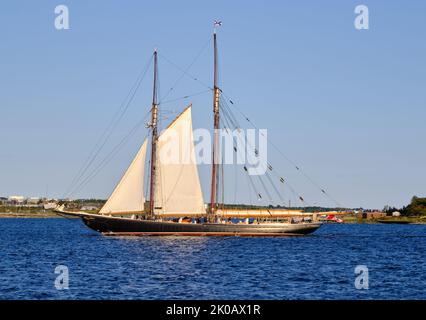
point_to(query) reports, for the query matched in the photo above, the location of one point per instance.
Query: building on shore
(29, 202)
(370, 215)
(33, 200)
(89, 208)
(16, 199)
(49, 205)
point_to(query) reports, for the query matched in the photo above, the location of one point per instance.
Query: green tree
(417, 207)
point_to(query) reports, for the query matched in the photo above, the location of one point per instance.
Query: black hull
(125, 226)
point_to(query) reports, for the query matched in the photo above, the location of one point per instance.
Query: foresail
(178, 187)
(129, 196)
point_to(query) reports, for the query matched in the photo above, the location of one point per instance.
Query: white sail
(129, 196)
(177, 188)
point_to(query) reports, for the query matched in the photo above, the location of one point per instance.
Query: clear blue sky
(348, 106)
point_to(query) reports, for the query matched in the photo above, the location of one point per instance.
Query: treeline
(22, 209)
(78, 203)
(417, 207)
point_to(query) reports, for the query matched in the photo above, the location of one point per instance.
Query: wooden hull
(133, 227)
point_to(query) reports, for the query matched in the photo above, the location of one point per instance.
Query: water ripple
(320, 266)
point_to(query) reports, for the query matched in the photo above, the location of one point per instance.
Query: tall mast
(216, 93)
(153, 139)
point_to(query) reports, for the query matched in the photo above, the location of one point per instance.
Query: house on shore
(16, 200)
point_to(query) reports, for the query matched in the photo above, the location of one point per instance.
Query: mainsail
(128, 196)
(178, 187)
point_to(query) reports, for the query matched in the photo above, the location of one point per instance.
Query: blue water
(320, 266)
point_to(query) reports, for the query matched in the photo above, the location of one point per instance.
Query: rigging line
(108, 158)
(110, 128)
(226, 107)
(248, 120)
(249, 177)
(105, 161)
(222, 183)
(269, 176)
(297, 168)
(249, 145)
(258, 194)
(231, 114)
(251, 200)
(274, 187)
(186, 97)
(260, 179)
(235, 184)
(226, 113)
(264, 188)
(225, 119)
(186, 70)
(295, 193)
(226, 127)
(95, 172)
(157, 98)
(225, 123)
(231, 123)
(258, 176)
(285, 157)
(148, 179)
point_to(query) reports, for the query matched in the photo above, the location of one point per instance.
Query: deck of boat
(199, 234)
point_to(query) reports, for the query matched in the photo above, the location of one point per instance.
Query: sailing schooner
(176, 205)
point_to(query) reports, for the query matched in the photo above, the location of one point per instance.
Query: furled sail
(129, 196)
(177, 188)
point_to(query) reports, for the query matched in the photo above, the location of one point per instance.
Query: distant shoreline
(44, 215)
(8, 215)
